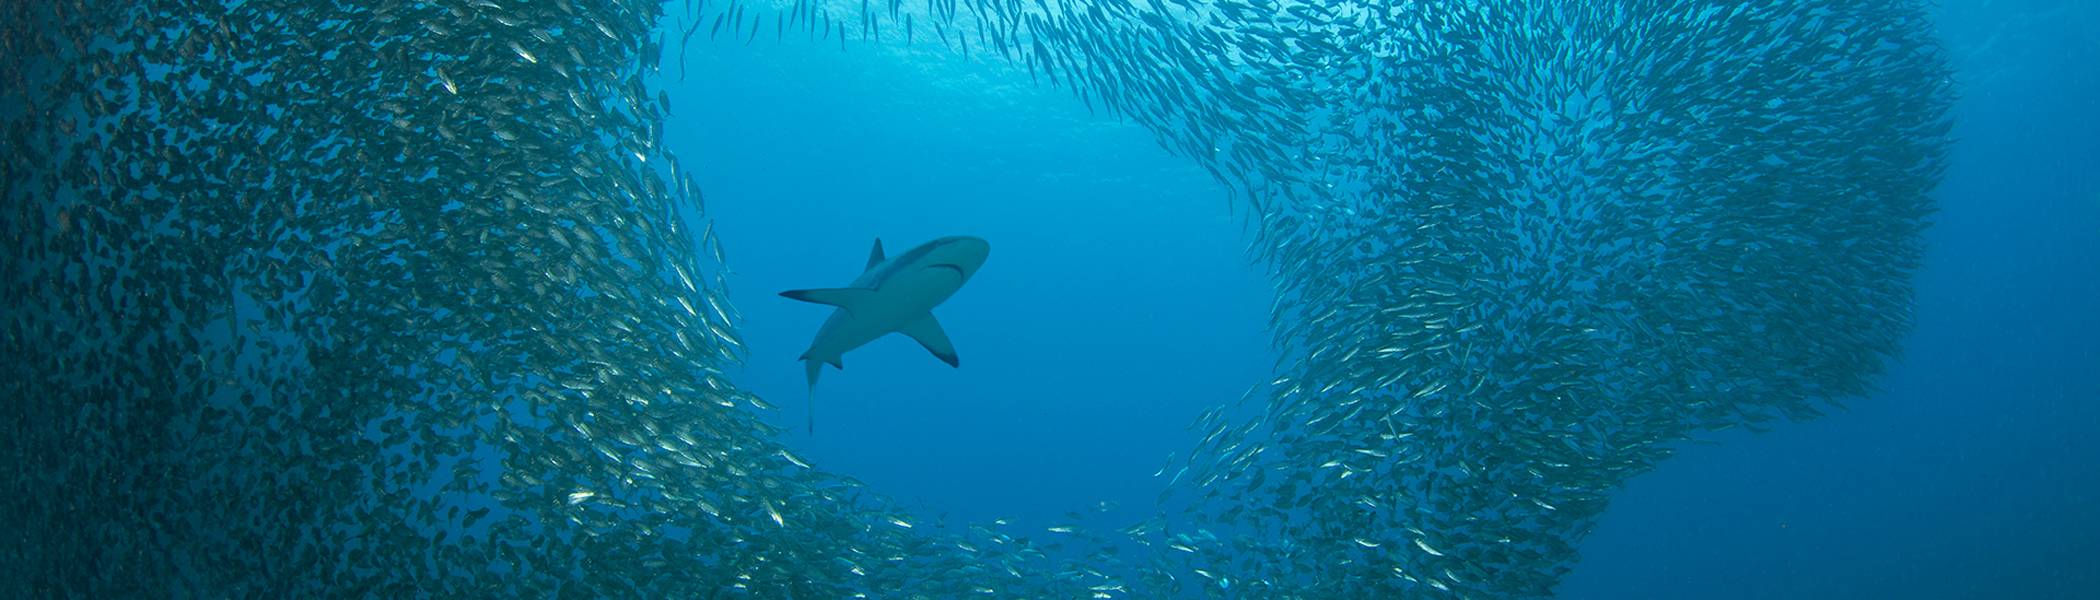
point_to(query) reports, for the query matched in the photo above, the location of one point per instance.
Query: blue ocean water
(414, 314)
(1117, 302)
(1117, 305)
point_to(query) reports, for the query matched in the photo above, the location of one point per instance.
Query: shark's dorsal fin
(845, 298)
(928, 332)
(875, 256)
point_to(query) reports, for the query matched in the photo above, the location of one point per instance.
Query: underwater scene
(815, 299)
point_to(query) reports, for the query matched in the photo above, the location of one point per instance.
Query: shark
(892, 295)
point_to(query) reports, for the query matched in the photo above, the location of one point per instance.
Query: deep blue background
(1117, 304)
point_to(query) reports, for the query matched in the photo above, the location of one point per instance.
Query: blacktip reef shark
(892, 295)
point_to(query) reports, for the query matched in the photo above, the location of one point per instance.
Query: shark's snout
(965, 253)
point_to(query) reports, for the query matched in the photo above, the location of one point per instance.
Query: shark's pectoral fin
(928, 332)
(845, 298)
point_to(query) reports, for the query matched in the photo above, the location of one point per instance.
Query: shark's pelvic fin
(837, 362)
(845, 298)
(929, 334)
(875, 256)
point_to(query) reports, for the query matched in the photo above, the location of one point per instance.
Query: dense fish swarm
(308, 297)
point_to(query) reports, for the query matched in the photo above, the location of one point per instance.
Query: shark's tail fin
(812, 368)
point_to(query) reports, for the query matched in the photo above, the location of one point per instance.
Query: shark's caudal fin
(813, 368)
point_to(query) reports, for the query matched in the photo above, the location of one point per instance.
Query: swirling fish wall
(387, 298)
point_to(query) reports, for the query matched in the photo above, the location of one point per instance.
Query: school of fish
(386, 298)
